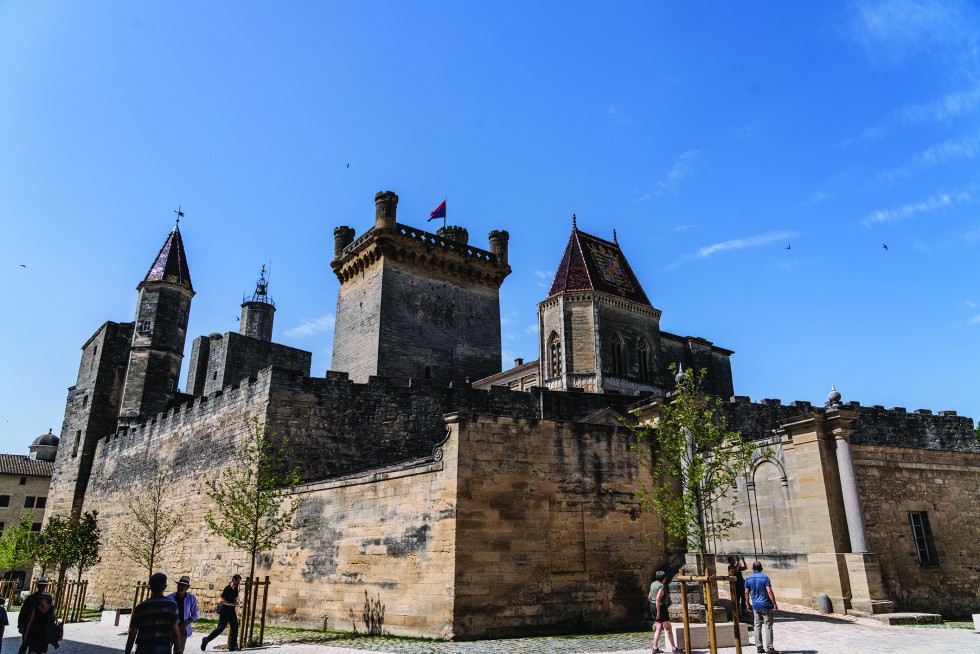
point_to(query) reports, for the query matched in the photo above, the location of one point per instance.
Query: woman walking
(659, 599)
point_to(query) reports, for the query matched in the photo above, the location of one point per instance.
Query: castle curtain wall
(550, 537)
(893, 481)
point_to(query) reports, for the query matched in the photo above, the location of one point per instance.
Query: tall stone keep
(157, 347)
(413, 304)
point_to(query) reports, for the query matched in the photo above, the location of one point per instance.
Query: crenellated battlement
(876, 425)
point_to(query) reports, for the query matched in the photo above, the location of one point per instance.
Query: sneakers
(657, 650)
(676, 650)
(760, 650)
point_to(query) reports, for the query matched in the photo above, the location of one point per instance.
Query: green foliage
(17, 544)
(696, 461)
(86, 541)
(68, 542)
(146, 532)
(254, 501)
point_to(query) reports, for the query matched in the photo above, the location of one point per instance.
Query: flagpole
(445, 213)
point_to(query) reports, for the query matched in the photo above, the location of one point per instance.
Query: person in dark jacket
(27, 609)
(227, 616)
(36, 635)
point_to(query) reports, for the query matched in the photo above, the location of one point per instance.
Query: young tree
(254, 504)
(146, 530)
(691, 444)
(16, 544)
(52, 546)
(86, 541)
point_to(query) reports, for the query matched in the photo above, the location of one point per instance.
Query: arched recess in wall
(643, 359)
(618, 355)
(769, 498)
(554, 356)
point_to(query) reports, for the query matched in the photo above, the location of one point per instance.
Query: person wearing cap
(153, 625)
(186, 609)
(226, 615)
(27, 610)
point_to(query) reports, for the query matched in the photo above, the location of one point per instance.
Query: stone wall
(91, 412)
(550, 537)
(219, 360)
(946, 486)
(436, 325)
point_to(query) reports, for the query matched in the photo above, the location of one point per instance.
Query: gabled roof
(24, 466)
(171, 263)
(594, 264)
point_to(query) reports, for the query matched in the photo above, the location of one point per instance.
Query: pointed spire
(615, 240)
(574, 223)
(170, 264)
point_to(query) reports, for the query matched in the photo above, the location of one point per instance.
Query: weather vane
(180, 214)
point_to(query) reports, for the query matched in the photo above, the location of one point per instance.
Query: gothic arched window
(618, 355)
(642, 356)
(554, 356)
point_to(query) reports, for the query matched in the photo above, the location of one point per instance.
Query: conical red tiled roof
(594, 264)
(171, 263)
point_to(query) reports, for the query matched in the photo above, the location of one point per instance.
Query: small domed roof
(47, 439)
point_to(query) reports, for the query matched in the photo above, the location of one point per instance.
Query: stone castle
(446, 498)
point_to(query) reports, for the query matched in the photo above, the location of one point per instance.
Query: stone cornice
(588, 297)
(422, 249)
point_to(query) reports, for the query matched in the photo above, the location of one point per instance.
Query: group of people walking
(162, 623)
(752, 593)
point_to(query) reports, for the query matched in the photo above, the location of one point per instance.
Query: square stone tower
(413, 304)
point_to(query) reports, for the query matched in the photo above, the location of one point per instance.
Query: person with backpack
(659, 599)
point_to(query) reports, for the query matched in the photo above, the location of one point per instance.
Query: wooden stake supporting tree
(707, 580)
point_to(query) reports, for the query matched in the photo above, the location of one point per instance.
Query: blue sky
(711, 136)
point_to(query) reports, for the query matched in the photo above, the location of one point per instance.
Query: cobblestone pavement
(799, 632)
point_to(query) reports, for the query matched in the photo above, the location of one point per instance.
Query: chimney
(342, 237)
(498, 245)
(518, 362)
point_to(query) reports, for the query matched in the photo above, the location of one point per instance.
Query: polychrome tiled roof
(594, 264)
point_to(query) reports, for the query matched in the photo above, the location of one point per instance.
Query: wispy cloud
(892, 31)
(682, 169)
(311, 327)
(532, 328)
(938, 202)
(544, 277)
(745, 242)
(684, 228)
(964, 147)
(819, 196)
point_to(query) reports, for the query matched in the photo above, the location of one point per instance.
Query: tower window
(4, 500)
(618, 355)
(36, 526)
(554, 356)
(78, 440)
(170, 385)
(146, 326)
(29, 502)
(925, 545)
(84, 401)
(23, 481)
(40, 503)
(642, 356)
(95, 351)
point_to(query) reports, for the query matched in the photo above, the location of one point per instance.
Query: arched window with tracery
(643, 357)
(554, 356)
(618, 355)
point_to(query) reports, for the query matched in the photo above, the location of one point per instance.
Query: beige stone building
(440, 507)
(24, 486)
